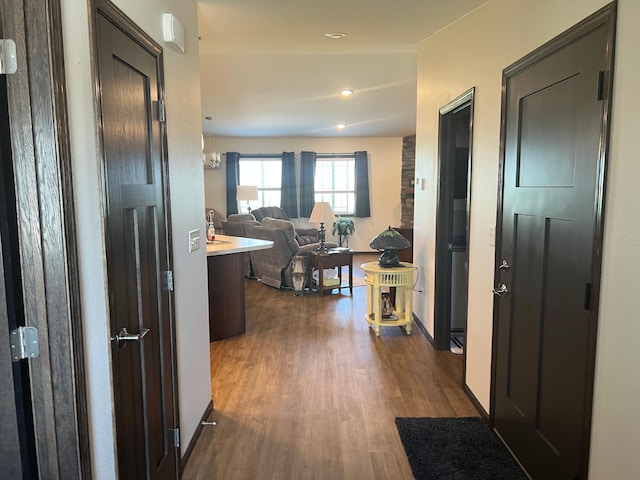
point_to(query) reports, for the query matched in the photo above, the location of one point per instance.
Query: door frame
(605, 16)
(444, 219)
(45, 210)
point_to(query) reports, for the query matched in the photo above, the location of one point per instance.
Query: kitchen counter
(226, 244)
(225, 272)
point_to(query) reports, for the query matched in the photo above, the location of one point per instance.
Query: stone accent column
(407, 180)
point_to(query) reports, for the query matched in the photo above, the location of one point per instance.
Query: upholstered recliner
(272, 212)
(304, 236)
(272, 266)
(235, 226)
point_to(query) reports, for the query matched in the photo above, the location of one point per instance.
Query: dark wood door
(551, 195)
(39, 257)
(130, 69)
(10, 448)
(9, 440)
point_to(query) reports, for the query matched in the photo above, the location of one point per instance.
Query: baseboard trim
(194, 439)
(423, 329)
(483, 413)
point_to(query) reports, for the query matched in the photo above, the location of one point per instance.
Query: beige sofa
(273, 266)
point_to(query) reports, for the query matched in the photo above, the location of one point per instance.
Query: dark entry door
(553, 145)
(130, 77)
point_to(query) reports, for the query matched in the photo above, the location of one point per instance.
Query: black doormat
(455, 449)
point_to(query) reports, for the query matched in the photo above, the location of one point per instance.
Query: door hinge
(162, 112)
(24, 343)
(175, 433)
(168, 281)
(8, 59)
(600, 92)
(587, 296)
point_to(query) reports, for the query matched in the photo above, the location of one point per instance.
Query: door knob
(504, 266)
(125, 336)
(501, 291)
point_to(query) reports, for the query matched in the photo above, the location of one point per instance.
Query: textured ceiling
(267, 69)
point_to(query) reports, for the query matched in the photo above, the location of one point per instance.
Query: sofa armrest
(305, 236)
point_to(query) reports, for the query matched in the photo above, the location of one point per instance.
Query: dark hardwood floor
(310, 392)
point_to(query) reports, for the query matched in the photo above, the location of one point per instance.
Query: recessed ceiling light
(346, 92)
(341, 126)
(335, 35)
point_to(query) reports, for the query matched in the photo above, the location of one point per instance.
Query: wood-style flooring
(310, 392)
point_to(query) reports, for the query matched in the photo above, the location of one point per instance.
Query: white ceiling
(267, 69)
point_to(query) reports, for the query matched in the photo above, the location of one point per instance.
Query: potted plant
(343, 227)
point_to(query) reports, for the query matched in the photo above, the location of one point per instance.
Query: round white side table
(377, 278)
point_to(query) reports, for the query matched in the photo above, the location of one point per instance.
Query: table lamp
(322, 214)
(248, 193)
(388, 242)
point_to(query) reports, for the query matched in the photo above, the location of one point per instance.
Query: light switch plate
(194, 240)
(492, 236)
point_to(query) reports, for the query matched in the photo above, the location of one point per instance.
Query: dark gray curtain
(233, 175)
(307, 183)
(362, 185)
(289, 195)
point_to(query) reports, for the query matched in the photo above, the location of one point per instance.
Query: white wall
(187, 206)
(385, 164)
(473, 52)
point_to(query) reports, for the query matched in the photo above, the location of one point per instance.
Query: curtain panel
(233, 175)
(307, 183)
(362, 207)
(289, 192)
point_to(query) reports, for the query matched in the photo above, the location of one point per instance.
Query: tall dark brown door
(12, 452)
(130, 76)
(554, 141)
(10, 418)
(43, 420)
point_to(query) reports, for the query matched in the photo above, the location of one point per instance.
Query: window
(335, 183)
(266, 174)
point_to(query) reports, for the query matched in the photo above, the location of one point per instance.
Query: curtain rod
(323, 155)
(259, 155)
(278, 155)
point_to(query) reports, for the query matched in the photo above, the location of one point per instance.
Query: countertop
(226, 244)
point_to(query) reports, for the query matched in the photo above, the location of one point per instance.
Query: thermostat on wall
(173, 32)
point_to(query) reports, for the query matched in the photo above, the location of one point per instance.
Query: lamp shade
(246, 192)
(388, 242)
(322, 213)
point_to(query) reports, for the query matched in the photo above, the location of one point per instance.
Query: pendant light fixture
(211, 159)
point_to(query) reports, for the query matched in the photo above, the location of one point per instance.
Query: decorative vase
(298, 274)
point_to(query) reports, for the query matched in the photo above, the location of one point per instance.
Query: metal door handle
(125, 336)
(504, 266)
(501, 291)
